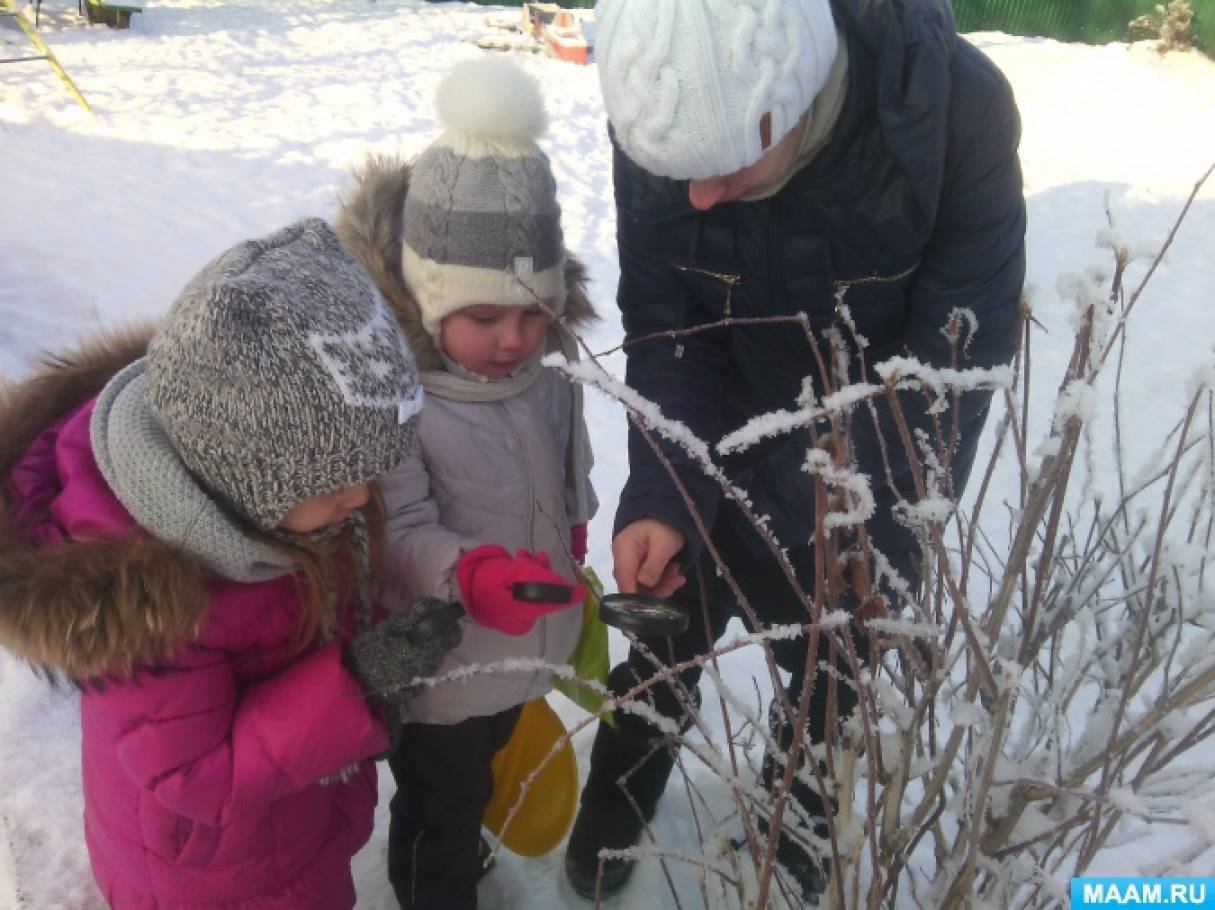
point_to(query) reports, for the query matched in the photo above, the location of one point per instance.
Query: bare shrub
(1172, 26)
(1032, 695)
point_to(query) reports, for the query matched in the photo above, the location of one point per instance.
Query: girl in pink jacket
(185, 533)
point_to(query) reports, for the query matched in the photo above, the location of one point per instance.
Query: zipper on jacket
(531, 519)
(730, 281)
(840, 287)
(531, 477)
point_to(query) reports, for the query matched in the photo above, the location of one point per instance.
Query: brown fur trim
(87, 609)
(370, 223)
(579, 311)
(99, 608)
(60, 384)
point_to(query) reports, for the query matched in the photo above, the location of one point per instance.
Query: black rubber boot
(809, 870)
(809, 873)
(613, 816)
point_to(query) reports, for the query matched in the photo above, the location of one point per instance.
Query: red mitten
(578, 542)
(486, 576)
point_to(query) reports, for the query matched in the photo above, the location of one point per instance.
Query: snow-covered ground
(217, 121)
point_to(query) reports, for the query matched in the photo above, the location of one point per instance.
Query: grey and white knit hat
(687, 82)
(482, 224)
(278, 374)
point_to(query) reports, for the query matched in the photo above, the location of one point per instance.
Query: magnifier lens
(643, 615)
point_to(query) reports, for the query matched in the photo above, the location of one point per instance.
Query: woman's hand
(644, 558)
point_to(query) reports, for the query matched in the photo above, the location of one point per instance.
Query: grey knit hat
(278, 374)
(482, 223)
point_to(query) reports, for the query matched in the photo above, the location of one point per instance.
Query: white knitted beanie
(686, 82)
(482, 224)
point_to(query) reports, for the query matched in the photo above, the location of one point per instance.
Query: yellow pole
(47, 54)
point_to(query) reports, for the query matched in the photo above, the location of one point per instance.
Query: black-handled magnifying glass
(541, 592)
(643, 614)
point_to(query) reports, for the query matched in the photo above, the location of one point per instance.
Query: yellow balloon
(548, 808)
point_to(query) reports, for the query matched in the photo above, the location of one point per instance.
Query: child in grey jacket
(467, 248)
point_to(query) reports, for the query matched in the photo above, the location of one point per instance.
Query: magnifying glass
(643, 614)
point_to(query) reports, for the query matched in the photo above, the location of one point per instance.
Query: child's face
(326, 510)
(493, 340)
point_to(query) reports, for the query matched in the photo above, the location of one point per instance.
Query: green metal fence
(1093, 21)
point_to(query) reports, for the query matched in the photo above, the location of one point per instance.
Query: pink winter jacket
(212, 780)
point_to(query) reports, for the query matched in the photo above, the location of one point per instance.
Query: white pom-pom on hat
(489, 99)
(481, 222)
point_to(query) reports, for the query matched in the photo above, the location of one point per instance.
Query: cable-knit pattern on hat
(482, 198)
(516, 200)
(686, 84)
(440, 173)
(651, 87)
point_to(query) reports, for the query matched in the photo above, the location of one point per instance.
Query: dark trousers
(444, 784)
(618, 751)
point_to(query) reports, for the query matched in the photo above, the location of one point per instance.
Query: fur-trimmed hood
(86, 608)
(370, 224)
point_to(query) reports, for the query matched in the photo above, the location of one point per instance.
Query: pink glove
(578, 542)
(486, 575)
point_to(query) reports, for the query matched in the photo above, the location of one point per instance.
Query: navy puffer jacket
(915, 206)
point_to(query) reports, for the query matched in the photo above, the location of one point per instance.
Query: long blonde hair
(333, 571)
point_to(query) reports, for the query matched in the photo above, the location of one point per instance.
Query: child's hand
(487, 576)
(388, 656)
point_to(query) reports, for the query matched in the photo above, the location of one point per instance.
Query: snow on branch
(648, 412)
(780, 422)
(820, 463)
(925, 630)
(1077, 400)
(908, 372)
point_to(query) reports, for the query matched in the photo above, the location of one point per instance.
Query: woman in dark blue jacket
(775, 157)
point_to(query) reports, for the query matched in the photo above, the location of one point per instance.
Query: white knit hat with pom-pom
(482, 223)
(687, 82)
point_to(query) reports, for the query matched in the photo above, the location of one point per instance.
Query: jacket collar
(907, 46)
(85, 608)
